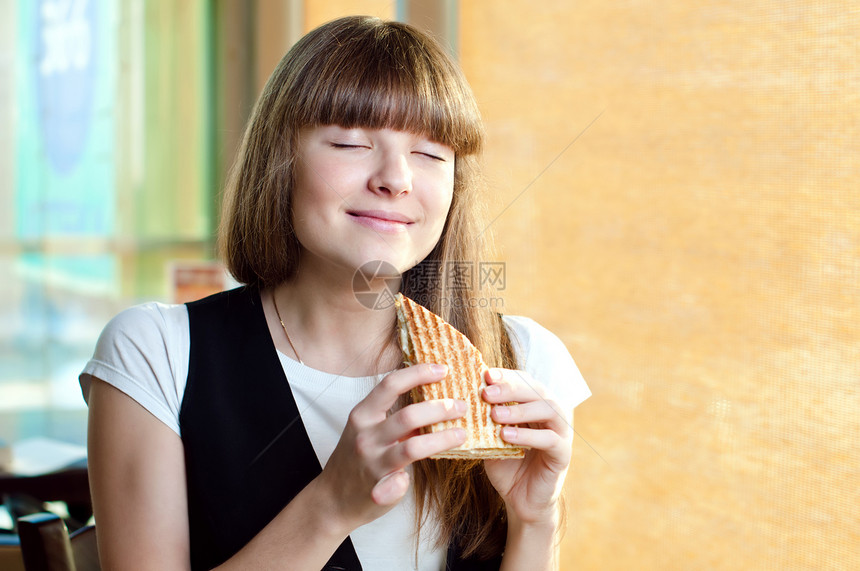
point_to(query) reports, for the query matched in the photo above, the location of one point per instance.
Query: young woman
(269, 426)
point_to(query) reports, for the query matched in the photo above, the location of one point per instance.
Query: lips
(384, 215)
(381, 220)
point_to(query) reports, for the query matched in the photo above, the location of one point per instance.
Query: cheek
(444, 194)
(447, 197)
(441, 209)
(307, 212)
(445, 209)
(312, 196)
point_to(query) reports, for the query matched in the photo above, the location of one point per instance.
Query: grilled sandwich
(427, 338)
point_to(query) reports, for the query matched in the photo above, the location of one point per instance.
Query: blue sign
(65, 68)
(65, 183)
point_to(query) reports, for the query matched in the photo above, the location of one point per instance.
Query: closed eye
(346, 146)
(432, 156)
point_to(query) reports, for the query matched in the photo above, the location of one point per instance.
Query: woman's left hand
(529, 486)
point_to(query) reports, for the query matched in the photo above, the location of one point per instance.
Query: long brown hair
(363, 72)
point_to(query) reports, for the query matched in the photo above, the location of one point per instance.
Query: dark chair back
(47, 546)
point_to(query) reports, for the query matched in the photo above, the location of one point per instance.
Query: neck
(331, 328)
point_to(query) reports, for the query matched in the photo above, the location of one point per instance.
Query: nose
(392, 174)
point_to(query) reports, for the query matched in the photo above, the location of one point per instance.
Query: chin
(389, 262)
(378, 266)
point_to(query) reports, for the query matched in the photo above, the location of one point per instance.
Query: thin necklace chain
(284, 327)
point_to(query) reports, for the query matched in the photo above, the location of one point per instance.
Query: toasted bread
(427, 338)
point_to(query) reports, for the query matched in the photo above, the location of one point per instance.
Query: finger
(414, 416)
(507, 385)
(385, 394)
(539, 439)
(535, 412)
(390, 489)
(422, 446)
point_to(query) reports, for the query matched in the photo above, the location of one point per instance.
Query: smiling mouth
(387, 222)
(381, 215)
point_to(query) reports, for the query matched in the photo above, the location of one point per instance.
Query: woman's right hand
(366, 474)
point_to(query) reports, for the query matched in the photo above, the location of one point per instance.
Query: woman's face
(369, 194)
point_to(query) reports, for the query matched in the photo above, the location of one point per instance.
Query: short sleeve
(543, 355)
(143, 352)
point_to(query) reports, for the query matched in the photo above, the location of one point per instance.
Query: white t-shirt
(144, 352)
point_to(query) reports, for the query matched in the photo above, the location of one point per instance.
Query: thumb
(391, 488)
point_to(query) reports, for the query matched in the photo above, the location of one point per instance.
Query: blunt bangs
(384, 75)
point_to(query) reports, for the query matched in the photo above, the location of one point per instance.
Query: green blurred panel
(174, 203)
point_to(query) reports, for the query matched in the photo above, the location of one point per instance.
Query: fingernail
(454, 404)
(439, 369)
(495, 374)
(509, 432)
(502, 412)
(493, 391)
(460, 433)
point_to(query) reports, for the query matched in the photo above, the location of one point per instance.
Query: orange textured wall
(676, 192)
(317, 12)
